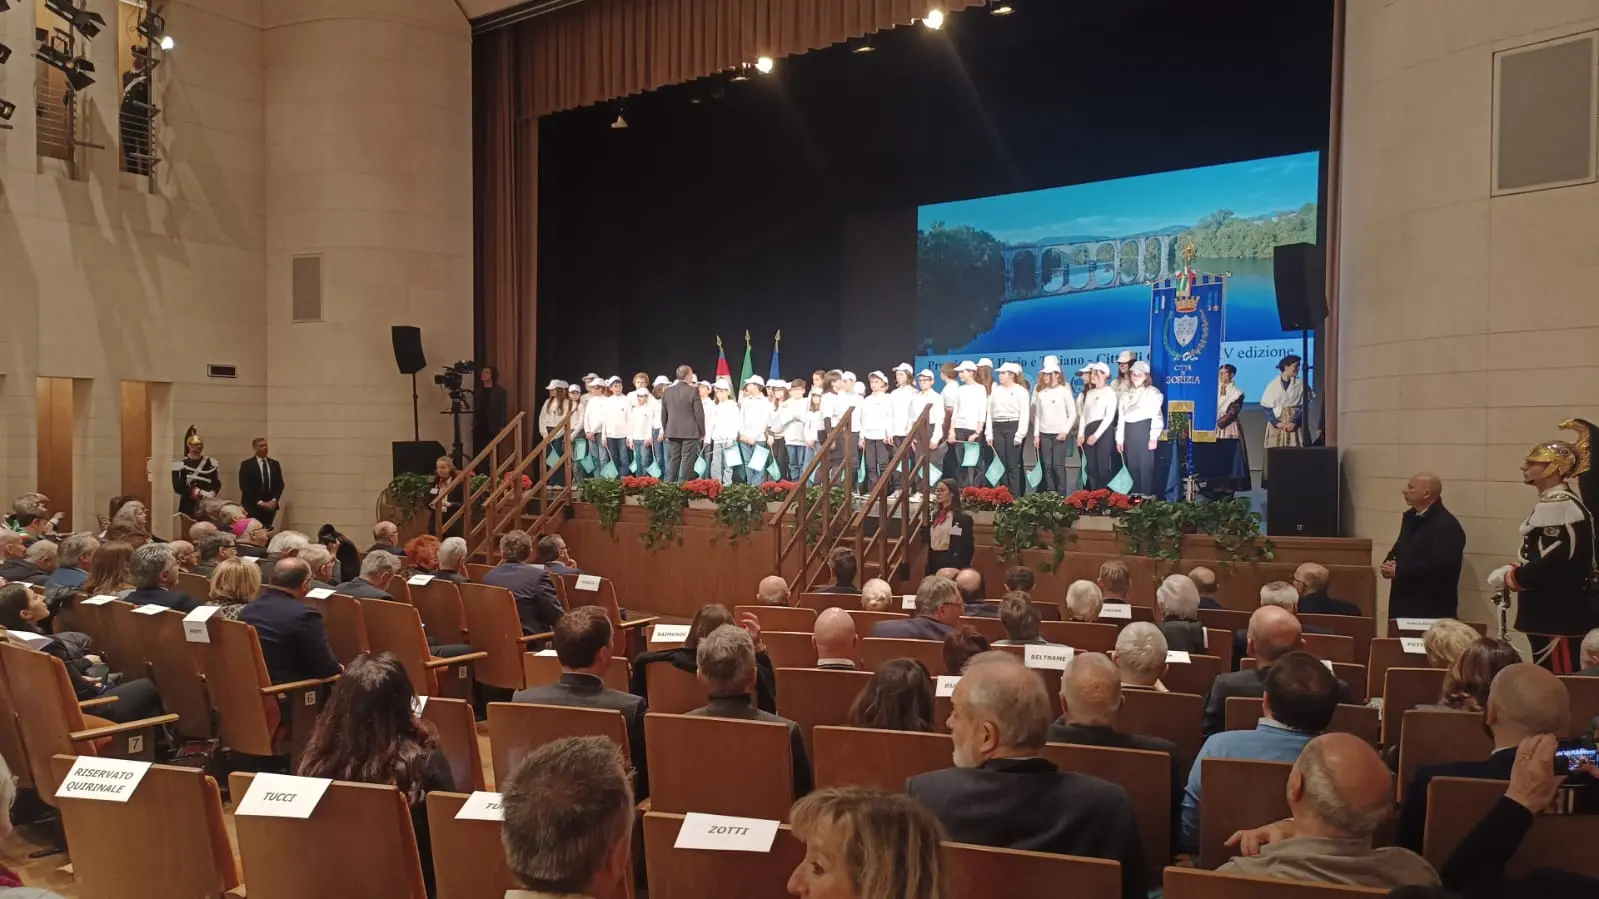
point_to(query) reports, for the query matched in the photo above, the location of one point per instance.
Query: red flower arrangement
(1099, 502)
(703, 488)
(527, 482)
(986, 499)
(633, 486)
(777, 491)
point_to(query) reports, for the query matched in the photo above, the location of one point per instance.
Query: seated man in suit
(321, 561)
(1273, 632)
(772, 591)
(1339, 792)
(1300, 698)
(1205, 582)
(1282, 595)
(837, 645)
(536, 601)
(1141, 657)
(1177, 610)
(938, 610)
(294, 643)
(725, 659)
(969, 581)
(386, 539)
(154, 572)
(1311, 581)
(1113, 581)
(1090, 700)
(377, 569)
(214, 549)
(1003, 793)
(842, 563)
(583, 644)
(553, 555)
(452, 559)
(72, 561)
(1524, 701)
(14, 564)
(282, 545)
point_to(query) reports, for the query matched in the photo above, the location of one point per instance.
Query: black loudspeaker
(408, 348)
(1300, 270)
(416, 456)
(1302, 491)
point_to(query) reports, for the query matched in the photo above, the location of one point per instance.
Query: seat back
(1584, 693)
(540, 669)
(475, 571)
(752, 760)
(396, 627)
(1237, 794)
(1083, 636)
(1227, 619)
(1354, 675)
(671, 690)
(1194, 676)
(865, 619)
(779, 618)
(84, 618)
(790, 649)
(1219, 643)
(883, 759)
(984, 872)
(1386, 653)
(605, 597)
(356, 827)
(1178, 717)
(47, 716)
(877, 650)
(1435, 736)
(518, 728)
(1194, 883)
(12, 749)
(192, 857)
(493, 627)
(235, 672)
(811, 696)
(468, 859)
(346, 627)
(1360, 720)
(122, 650)
(1455, 805)
(398, 589)
(1358, 628)
(1145, 775)
(195, 585)
(1331, 647)
(457, 727)
(439, 603)
(816, 602)
(991, 628)
(1403, 690)
(175, 665)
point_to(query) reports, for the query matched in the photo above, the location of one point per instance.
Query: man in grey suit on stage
(683, 426)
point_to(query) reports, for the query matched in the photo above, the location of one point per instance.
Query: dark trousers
(1139, 457)
(1010, 456)
(1558, 654)
(617, 448)
(1052, 459)
(964, 476)
(1099, 459)
(681, 454)
(877, 455)
(265, 516)
(135, 699)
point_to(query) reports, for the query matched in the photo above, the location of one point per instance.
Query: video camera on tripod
(453, 378)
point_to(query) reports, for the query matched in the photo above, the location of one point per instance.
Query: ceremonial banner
(1185, 327)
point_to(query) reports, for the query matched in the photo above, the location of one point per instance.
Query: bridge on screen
(1041, 270)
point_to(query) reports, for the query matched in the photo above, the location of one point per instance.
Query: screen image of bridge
(1067, 270)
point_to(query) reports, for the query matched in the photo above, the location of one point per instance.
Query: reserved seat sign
(725, 833)
(104, 779)
(481, 806)
(1038, 655)
(282, 796)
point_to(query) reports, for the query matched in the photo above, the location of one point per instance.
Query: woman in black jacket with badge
(949, 538)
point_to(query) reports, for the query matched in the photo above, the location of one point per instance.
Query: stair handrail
(918, 442)
(512, 434)
(822, 470)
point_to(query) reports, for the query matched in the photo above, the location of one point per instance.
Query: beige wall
(110, 277)
(1468, 324)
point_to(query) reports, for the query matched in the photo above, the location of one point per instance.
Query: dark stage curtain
(590, 53)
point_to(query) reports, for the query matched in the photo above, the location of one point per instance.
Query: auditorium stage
(708, 567)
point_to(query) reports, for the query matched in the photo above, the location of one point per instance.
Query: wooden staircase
(500, 504)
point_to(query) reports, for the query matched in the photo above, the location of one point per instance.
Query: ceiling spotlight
(764, 65)
(620, 123)
(154, 28)
(1001, 9)
(742, 73)
(934, 18)
(7, 108)
(76, 68)
(86, 22)
(865, 47)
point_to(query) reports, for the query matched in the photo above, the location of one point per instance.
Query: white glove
(1496, 578)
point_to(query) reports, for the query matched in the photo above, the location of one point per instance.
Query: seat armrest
(96, 702)
(290, 686)
(529, 638)
(437, 662)
(639, 622)
(111, 730)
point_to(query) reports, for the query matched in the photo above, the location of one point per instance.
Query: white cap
(723, 384)
(642, 391)
(574, 388)
(614, 379)
(879, 376)
(555, 385)
(848, 376)
(1012, 367)
(904, 367)
(1086, 369)
(591, 376)
(860, 389)
(925, 373)
(1101, 367)
(757, 380)
(1141, 367)
(985, 362)
(1051, 363)
(816, 391)
(1126, 356)
(659, 380)
(966, 365)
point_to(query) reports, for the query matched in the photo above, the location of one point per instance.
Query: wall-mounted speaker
(1300, 270)
(408, 349)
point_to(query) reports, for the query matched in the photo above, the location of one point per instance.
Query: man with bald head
(1273, 632)
(1002, 792)
(837, 645)
(1424, 564)
(1524, 700)
(1339, 792)
(1205, 582)
(1311, 580)
(969, 581)
(773, 591)
(947, 572)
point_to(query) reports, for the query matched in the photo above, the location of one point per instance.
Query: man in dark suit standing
(294, 643)
(536, 602)
(938, 610)
(1424, 564)
(1003, 793)
(583, 644)
(261, 484)
(683, 426)
(1311, 580)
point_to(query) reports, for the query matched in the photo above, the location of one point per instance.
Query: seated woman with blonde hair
(867, 844)
(1446, 639)
(877, 596)
(234, 583)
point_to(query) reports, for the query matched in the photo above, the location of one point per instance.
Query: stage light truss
(84, 21)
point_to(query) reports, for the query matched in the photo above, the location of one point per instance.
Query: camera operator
(493, 408)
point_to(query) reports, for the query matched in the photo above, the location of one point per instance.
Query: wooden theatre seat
(457, 727)
(1360, 720)
(541, 669)
(672, 690)
(883, 759)
(1083, 636)
(518, 728)
(1139, 612)
(790, 649)
(1145, 775)
(189, 855)
(1236, 794)
(494, 628)
(249, 714)
(195, 585)
(1405, 689)
(1193, 883)
(1331, 647)
(1219, 643)
(122, 649)
(1584, 693)
(358, 844)
(1178, 717)
(877, 650)
(866, 620)
(1194, 676)
(992, 629)
(439, 603)
(476, 570)
(779, 618)
(346, 627)
(1432, 737)
(396, 627)
(753, 768)
(626, 637)
(175, 667)
(1358, 628)
(816, 602)
(12, 748)
(1386, 653)
(468, 860)
(811, 696)
(1228, 619)
(1456, 804)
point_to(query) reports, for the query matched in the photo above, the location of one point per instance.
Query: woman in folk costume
(1229, 462)
(194, 477)
(1284, 404)
(1554, 573)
